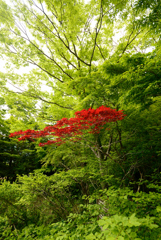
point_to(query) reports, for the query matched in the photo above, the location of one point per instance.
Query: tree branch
(98, 28)
(35, 96)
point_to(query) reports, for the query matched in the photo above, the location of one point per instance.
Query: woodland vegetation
(81, 89)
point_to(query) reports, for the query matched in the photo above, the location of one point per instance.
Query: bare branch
(70, 63)
(98, 28)
(43, 69)
(109, 148)
(41, 51)
(100, 51)
(25, 93)
(40, 98)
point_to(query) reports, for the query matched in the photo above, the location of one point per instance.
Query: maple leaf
(89, 121)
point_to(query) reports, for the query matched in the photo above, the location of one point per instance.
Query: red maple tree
(85, 121)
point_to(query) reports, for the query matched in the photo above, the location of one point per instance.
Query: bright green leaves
(5, 15)
(43, 209)
(78, 64)
(135, 78)
(93, 220)
(59, 36)
(67, 41)
(121, 227)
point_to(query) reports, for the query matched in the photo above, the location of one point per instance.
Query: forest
(80, 119)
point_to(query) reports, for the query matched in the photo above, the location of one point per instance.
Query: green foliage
(67, 41)
(134, 78)
(107, 214)
(16, 157)
(107, 186)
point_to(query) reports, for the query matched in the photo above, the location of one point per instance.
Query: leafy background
(72, 60)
